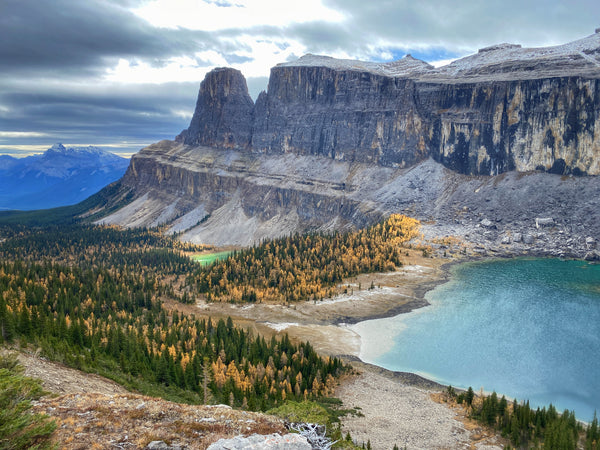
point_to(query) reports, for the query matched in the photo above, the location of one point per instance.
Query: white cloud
(183, 114)
(21, 134)
(212, 16)
(178, 69)
(264, 53)
(21, 151)
(259, 55)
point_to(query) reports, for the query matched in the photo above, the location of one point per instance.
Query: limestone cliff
(223, 114)
(336, 144)
(505, 108)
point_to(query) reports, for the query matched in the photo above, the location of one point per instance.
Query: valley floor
(397, 408)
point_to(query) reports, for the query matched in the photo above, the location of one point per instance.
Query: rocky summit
(481, 148)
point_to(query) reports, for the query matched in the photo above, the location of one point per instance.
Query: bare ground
(406, 410)
(92, 412)
(129, 421)
(59, 379)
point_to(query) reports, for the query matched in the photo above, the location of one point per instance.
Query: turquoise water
(526, 328)
(206, 259)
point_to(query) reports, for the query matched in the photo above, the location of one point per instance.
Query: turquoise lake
(526, 328)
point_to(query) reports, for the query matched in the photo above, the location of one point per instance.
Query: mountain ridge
(504, 108)
(60, 176)
(583, 52)
(334, 148)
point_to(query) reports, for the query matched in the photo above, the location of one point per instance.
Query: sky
(122, 74)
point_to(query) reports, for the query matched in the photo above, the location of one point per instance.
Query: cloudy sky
(122, 74)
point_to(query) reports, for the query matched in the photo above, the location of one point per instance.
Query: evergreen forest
(305, 267)
(528, 428)
(92, 297)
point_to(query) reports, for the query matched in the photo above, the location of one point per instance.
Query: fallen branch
(314, 433)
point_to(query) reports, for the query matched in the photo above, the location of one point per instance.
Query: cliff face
(337, 144)
(223, 114)
(542, 124)
(236, 197)
(346, 115)
(505, 108)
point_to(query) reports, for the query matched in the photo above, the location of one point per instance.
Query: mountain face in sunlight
(58, 177)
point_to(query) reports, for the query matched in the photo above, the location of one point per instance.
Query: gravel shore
(397, 413)
(399, 409)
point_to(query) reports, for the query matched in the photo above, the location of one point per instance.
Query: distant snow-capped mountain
(58, 177)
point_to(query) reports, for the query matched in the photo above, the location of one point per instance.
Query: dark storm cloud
(468, 24)
(73, 35)
(140, 113)
(53, 54)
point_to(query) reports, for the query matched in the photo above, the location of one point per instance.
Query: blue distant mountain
(58, 177)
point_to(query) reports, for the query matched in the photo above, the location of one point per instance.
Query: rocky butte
(479, 148)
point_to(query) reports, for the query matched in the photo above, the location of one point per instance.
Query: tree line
(526, 427)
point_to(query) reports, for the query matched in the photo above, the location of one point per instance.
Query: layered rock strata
(481, 148)
(505, 108)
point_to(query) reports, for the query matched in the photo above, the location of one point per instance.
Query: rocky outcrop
(260, 442)
(228, 197)
(347, 115)
(223, 114)
(488, 128)
(505, 108)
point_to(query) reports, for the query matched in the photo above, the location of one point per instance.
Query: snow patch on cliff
(586, 50)
(405, 66)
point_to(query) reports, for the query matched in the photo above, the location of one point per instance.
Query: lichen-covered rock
(260, 442)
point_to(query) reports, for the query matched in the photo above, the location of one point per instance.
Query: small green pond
(208, 258)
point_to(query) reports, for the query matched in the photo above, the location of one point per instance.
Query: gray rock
(400, 113)
(223, 114)
(157, 445)
(594, 255)
(486, 223)
(338, 145)
(590, 242)
(517, 237)
(263, 442)
(505, 240)
(544, 222)
(528, 239)
(161, 445)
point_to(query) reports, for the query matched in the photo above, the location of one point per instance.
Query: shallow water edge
(536, 343)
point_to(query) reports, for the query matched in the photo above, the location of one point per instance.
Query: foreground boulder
(260, 442)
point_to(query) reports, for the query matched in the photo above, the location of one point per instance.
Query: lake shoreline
(530, 293)
(327, 325)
